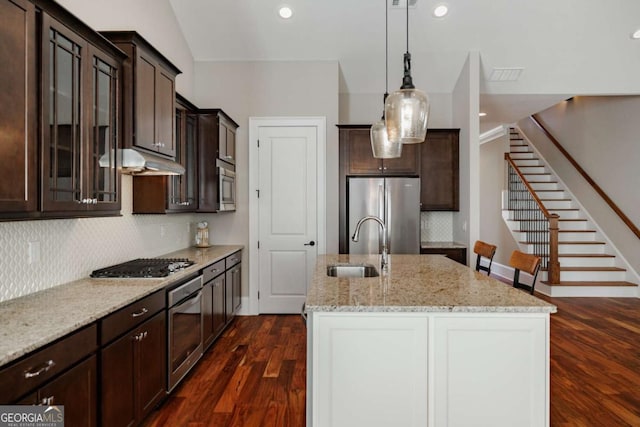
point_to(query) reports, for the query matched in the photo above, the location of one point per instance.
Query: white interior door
(288, 222)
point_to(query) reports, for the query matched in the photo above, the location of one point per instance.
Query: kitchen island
(429, 343)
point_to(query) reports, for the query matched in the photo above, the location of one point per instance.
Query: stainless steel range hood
(134, 162)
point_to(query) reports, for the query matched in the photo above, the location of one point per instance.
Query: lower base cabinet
(133, 373)
(456, 254)
(75, 390)
(427, 369)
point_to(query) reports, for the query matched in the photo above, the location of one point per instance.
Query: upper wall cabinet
(216, 142)
(18, 109)
(176, 193)
(355, 152)
(148, 95)
(439, 171)
(66, 166)
(79, 119)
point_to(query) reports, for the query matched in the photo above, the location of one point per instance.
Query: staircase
(587, 265)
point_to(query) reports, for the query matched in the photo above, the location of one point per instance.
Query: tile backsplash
(64, 250)
(436, 226)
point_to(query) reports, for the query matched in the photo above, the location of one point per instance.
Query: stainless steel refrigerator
(397, 202)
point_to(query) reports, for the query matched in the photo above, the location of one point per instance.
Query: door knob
(311, 243)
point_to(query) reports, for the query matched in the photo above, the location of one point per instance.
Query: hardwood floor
(595, 362)
(255, 373)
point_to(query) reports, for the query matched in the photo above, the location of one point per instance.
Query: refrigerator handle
(387, 216)
(382, 202)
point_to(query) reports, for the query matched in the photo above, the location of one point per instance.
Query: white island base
(428, 369)
(429, 343)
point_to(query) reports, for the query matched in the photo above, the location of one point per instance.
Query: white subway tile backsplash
(71, 248)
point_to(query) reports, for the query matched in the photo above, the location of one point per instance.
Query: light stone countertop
(32, 321)
(416, 283)
(442, 245)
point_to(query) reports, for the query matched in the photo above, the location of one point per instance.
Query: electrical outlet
(163, 230)
(33, 252)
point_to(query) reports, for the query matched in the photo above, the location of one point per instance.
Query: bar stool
(527, 263)
(484, 250)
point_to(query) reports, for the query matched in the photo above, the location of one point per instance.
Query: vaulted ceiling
(565, 48)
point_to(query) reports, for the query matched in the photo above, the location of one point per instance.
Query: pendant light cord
(407, 26)
(386, 49)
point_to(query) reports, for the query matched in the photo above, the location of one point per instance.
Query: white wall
(152, 19)
(258, 89)
(465, 109)
(492, 182)
(602, 135)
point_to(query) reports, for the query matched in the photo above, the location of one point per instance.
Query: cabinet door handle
(140, 313)
(380, 168)
(40, 370)
(47, 401)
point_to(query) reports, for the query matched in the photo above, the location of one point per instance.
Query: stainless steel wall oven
(226, 188)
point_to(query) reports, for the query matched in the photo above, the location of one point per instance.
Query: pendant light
(407, 109)
(380, 145)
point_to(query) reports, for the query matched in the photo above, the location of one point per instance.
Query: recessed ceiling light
(285, 12)
(482, 114)
(440, 10)
(636, 34)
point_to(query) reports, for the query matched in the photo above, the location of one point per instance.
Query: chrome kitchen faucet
(384, 259)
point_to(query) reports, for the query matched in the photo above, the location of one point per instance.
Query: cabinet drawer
(212, 271)
(130, 316)
(233, 259)
(28, 374)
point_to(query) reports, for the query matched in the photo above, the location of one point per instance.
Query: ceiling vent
(505, 74)
(401, 4)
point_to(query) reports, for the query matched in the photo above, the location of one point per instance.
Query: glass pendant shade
(406, 112)
(380, 145)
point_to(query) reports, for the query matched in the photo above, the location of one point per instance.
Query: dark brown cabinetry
(79, 117)
(183, 188)
(134, 367)
(148, 95)
(63, 373)
(176, 193)
(439, 171)
(216, 142)
(458, 254)
(18, 109)
(355, 151)
(233, 285)
(213, 302)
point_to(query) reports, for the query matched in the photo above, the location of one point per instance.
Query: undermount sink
(352, 270)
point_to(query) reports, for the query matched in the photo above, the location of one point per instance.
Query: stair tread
(607, 283)
(543, 182)
(578, 242)
(555, 200)
(586, 256)
(559, 231)
(592, 269)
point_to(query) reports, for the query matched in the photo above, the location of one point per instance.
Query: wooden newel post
(554, 264)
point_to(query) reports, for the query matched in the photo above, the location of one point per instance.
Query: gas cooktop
(144, 267)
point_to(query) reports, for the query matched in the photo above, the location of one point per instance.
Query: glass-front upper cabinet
(64, 53)
(79, 109)
(104, 179)
(182, 188)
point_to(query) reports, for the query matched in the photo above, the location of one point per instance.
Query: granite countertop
(416, 283)
(34, 320)
(442, 245)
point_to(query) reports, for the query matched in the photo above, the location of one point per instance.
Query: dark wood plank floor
(255, 373)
